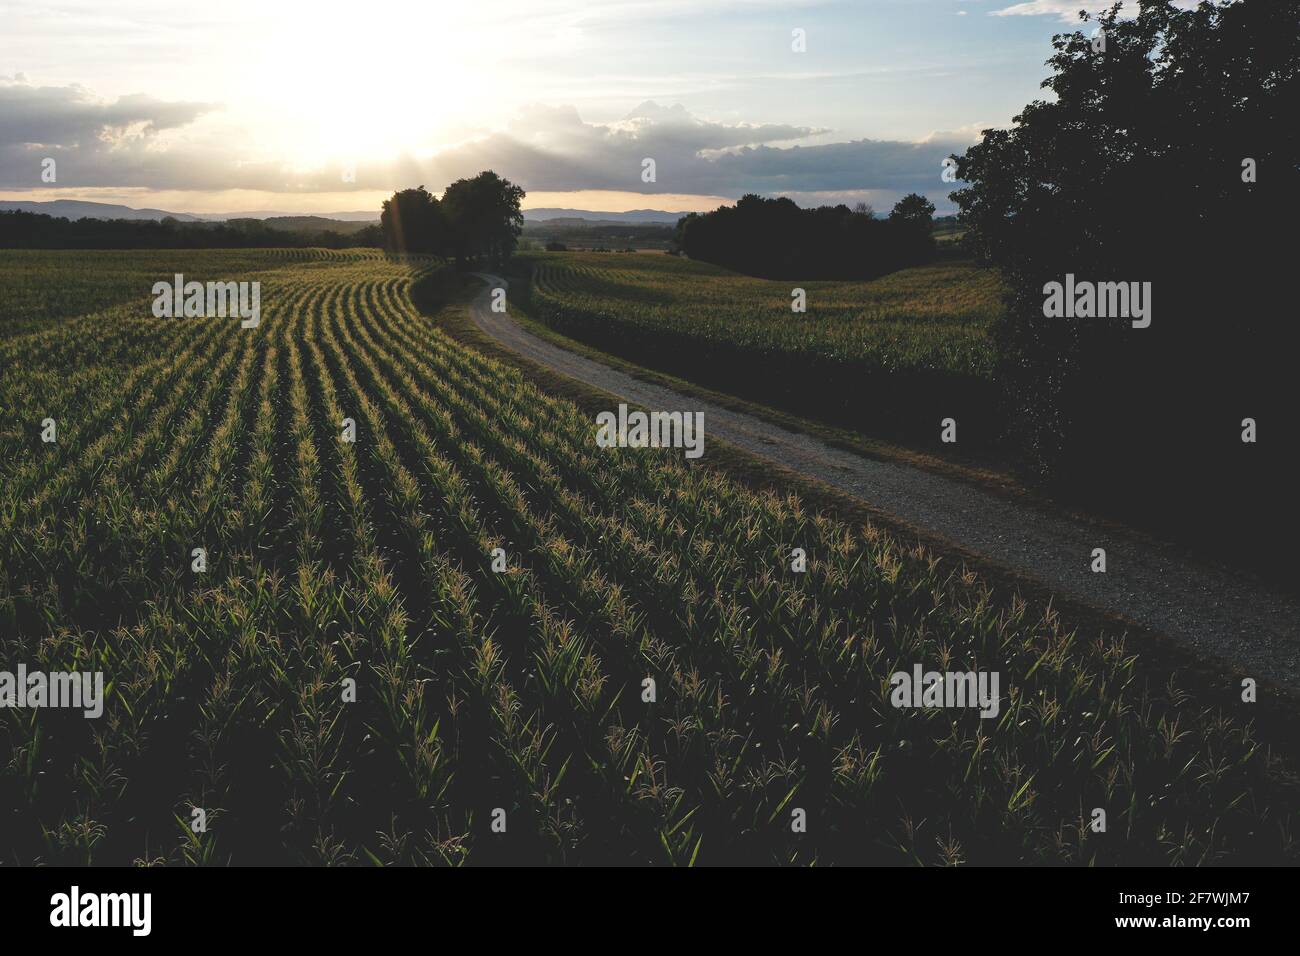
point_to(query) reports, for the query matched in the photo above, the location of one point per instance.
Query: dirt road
(1210, 611)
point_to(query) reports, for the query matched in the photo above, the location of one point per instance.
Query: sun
(355, 82)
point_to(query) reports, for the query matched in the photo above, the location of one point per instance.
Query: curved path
(1212, 612)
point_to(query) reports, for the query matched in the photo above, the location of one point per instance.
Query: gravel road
(1210, 611)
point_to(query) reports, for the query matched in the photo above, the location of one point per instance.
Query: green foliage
(484, 216)
(892, 356)
(520, 690)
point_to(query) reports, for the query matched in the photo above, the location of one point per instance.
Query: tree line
(776, 239)
(29, 230)
(475, 220)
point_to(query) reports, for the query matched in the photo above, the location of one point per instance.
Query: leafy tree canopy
(1167, 154)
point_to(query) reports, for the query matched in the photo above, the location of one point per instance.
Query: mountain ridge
(79, 209)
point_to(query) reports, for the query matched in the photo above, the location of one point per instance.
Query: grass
(521, 691)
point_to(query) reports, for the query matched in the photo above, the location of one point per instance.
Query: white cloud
(1068, 10)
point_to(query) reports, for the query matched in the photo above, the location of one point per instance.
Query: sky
(330, 105)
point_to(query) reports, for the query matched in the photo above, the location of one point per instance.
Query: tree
(914, 209)
(484, 217)
(412, 221)
(1137, 171)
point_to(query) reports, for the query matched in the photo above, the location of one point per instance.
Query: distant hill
(75, 209)
(282, 219)
(575, 233)
(631, 217)
(355, 215)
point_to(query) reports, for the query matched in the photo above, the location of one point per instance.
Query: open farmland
(335, 567)
(40, 286)
(892, 356)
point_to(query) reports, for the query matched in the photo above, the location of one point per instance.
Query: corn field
(474, 637)
(931, 316)
(890, 356)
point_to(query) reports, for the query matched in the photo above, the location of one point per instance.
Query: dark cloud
(548, 148)
(102, 142)
(70, 116)
(553, 149)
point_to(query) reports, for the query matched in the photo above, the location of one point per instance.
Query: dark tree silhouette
(26, 230)
(412, 221)
(776, 239)
(1140, 171)
(915, 209)
(484, 217)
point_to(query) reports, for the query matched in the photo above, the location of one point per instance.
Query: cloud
(1068, 10)
(126, 143)
(71, 116)
(553, 149)
(94, 141)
